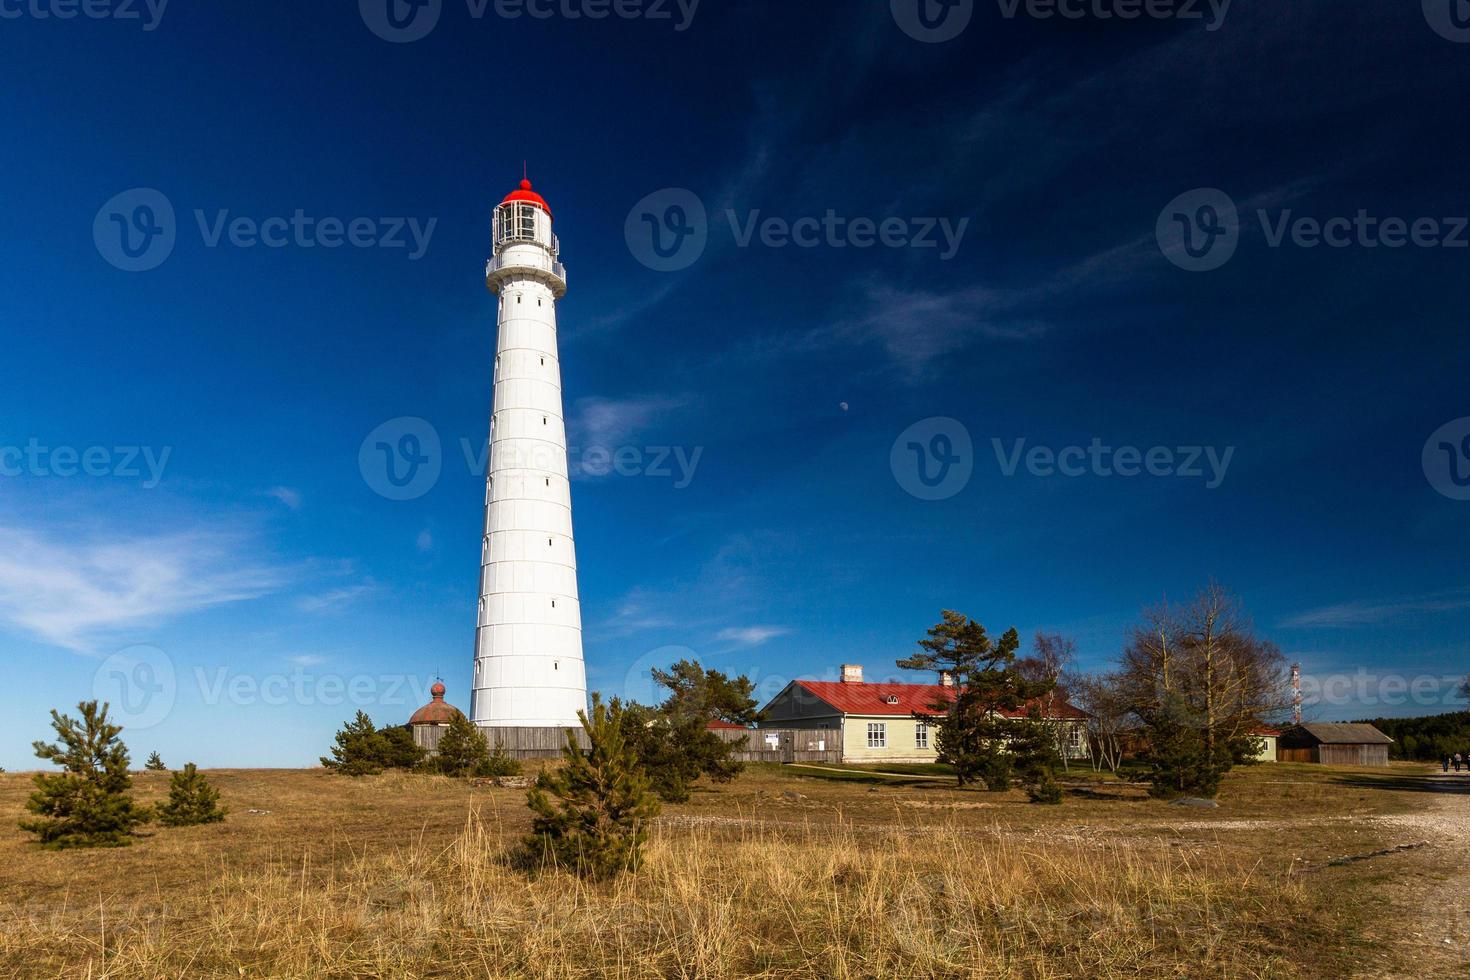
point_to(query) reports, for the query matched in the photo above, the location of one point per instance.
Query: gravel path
(1438, 933)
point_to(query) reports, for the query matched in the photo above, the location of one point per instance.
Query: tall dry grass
(720, 898)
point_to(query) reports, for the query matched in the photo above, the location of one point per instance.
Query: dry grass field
(784, 873)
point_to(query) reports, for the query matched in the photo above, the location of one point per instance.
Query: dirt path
(867, 772)
(1436, 932)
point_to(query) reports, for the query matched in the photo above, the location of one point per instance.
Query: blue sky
(223, 550)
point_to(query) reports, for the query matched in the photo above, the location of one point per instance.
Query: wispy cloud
(334, 599)
(916, 327)
(286, 495)
(633, 616)
(611, 422)
(1374, 612)
(425, 540)
(741, 637)
(73, 594)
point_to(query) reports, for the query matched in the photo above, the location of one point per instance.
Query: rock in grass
(1196, 802)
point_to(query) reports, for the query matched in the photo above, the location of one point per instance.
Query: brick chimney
(946, 679)
(852, 673)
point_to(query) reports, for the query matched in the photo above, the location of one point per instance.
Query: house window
(1074, 736)
(921, 736)
(877, 735)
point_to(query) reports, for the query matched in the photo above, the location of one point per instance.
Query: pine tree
(463, 750)
(499, 763)
(155, 763)
(673, 741)
(402, 751)
(191, 800)
(972, 733)
(360, 749)
(592, 814)
(1033, 748)
(1178, 757)
(87, 804)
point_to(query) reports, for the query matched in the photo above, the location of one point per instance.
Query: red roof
(902, 700)
(437, 711)
(1262, 730)
(525, 194)
(721, 723)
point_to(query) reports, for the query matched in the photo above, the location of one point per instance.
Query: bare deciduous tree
(1052, 662)
(1109, 716)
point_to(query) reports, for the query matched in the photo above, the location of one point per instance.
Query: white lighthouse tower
(528, 644)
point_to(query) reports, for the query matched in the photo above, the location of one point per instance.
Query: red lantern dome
(525, 195)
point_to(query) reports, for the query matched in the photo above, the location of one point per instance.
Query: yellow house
(1268, 737)
(875, 722)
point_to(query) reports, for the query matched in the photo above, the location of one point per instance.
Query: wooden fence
(534, 743)
(762, 745)
(786, 744)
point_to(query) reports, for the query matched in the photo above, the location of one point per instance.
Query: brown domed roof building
(428, 723)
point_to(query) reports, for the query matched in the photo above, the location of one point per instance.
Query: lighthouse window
(543, 362)
(526, 215)
(543, 420)
(518, 297)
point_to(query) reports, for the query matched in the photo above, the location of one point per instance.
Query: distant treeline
(1429, 739)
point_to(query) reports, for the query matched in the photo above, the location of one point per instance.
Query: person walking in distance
(1446, 762)
(1457, 762)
